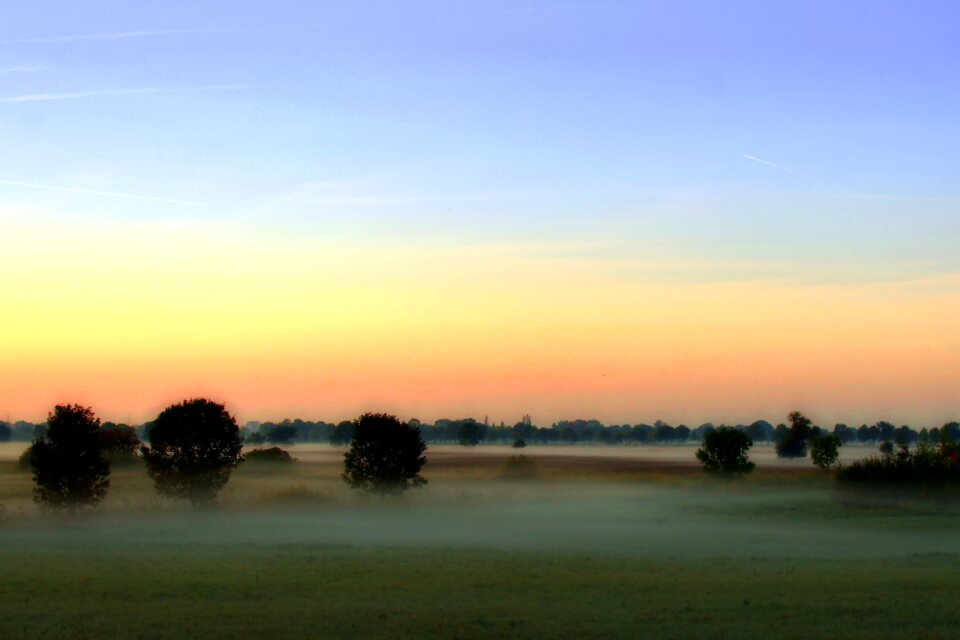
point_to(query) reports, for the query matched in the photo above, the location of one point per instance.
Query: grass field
(634, 547)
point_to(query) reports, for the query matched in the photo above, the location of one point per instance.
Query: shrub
(519, 443)
(724, 452)
(927, 466)
(273, 455)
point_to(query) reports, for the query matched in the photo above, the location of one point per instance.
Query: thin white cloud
(770, 164)
(93, 192)
(119, 35)
(373, 201)
(20, 69)
(46, 97)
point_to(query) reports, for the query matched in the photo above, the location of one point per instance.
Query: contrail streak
(120, 35)
(20, 68)
(770, 164)
(46, 97)
(92, 192)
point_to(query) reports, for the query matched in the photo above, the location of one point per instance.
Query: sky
(629, 211)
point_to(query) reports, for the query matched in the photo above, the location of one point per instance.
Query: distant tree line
(469, 431)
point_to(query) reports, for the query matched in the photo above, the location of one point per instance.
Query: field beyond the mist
(598, 542)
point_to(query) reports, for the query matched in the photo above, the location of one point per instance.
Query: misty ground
(597, 542)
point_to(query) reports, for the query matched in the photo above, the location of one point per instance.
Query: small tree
(195, 445)
(793, 444)
(825, 449)
(69, 470)
(724, 452)
(385, 455)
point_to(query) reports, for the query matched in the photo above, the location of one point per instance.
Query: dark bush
(519, 443)
(273, 455)
(927, 466)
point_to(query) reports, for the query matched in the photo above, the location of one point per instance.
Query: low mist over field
(479, 319)
(648, 502)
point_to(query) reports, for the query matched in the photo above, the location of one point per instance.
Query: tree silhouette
(385, 455)
(470, 433)
(724, 452)
(793, 444)
(69, 470)
(194, 446)
(825, 449)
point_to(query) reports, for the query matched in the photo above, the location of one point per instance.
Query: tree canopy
(385, 455)
(724, 452)
(69, 470)
(793, 444)
(825, 450)
(194, 447)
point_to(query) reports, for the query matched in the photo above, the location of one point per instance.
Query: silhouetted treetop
(385, 456)
(194, 446)
(69, 469)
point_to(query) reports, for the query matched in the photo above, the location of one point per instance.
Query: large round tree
(385, 455)
(69, 470)
(194, 447)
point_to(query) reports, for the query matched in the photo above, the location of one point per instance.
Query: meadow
(614, 542)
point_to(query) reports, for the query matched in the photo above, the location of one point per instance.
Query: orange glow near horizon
(130, 319)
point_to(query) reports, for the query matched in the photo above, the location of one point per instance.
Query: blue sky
(634, 210)
(644, 126)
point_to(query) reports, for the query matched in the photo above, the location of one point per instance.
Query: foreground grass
(303, 591)
(654, 553)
